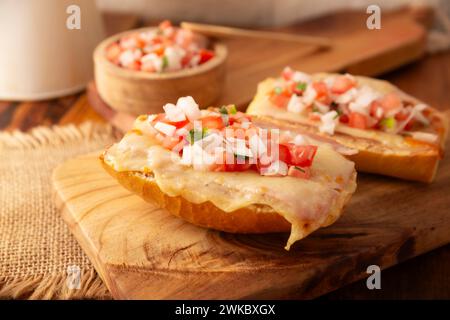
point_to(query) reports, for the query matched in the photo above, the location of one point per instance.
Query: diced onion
(347, 96)
(153, 60)
(323, 108)
(239, 147)
(189, 107)
(329, 121)
(363, 99)
(174, 113)
(257, 146)
(301, 77)
(418, 115)
(186, 158)
(126, 58)
(309, 95)
(276, 168)
(210, 142)
(165, 128)
(424, 136)
(174, 56)
(295, 104)
(181, 132)
(299, 140)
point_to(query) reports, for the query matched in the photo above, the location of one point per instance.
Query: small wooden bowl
(140, 92)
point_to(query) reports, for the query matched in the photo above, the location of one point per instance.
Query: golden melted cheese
(299, 201)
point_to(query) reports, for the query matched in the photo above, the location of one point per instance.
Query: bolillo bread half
(250, 219)
(378, 152)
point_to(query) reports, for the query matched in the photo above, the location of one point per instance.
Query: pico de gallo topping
(341, 99)
(225, 139)
(163, 49)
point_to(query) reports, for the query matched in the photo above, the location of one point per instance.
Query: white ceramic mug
(40, 57)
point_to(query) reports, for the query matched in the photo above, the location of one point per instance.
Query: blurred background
(252, 13)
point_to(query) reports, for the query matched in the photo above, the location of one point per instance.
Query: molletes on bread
(395, 134)
(215, 168)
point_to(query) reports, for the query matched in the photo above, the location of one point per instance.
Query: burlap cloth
(36, 247)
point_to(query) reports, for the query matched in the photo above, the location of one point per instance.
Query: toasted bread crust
(418, 167)
(250, 219)
(374, 156)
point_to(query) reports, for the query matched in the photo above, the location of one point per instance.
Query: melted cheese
(299, 201)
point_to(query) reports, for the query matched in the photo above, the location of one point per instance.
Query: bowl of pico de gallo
(138, 71)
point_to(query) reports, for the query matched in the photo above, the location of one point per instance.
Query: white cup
(40, 57)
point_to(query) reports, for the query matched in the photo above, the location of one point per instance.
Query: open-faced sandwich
(215, 168)
(394, 133)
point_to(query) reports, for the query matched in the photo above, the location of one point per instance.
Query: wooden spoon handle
(228, 32)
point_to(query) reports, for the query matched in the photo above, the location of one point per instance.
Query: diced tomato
(237, 166)
(376, 110)
(280, 100)
(390, 101)
(132, 42)
(165, 24)
(290, 87)
(159, 51)
(178, 124)
(268, 158)
(287, 73)
(409, 125)
(344, 118)
(205, 55)
(135, 65)
(321, 88)
(284, 153)
(299, 172)
(233, 166)
(322, 92)
(140, 43)
(157, 40)
(301, 156)
(113, 52)
(212, 122)
(241, 117)
(235, 132)
(401, 116)
(186, 59)
(342, 84)
(357, 120)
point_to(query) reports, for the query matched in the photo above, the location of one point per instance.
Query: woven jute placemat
(37, 249)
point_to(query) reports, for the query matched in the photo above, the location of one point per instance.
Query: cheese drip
(299, 201)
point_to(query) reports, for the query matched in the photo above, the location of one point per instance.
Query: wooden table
(424, 277)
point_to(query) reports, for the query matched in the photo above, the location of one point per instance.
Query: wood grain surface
(426, 276)
(143, 252)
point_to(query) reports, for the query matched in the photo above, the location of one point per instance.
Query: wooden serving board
(142, 252)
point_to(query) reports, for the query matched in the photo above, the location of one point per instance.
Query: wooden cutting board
(142, 252)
